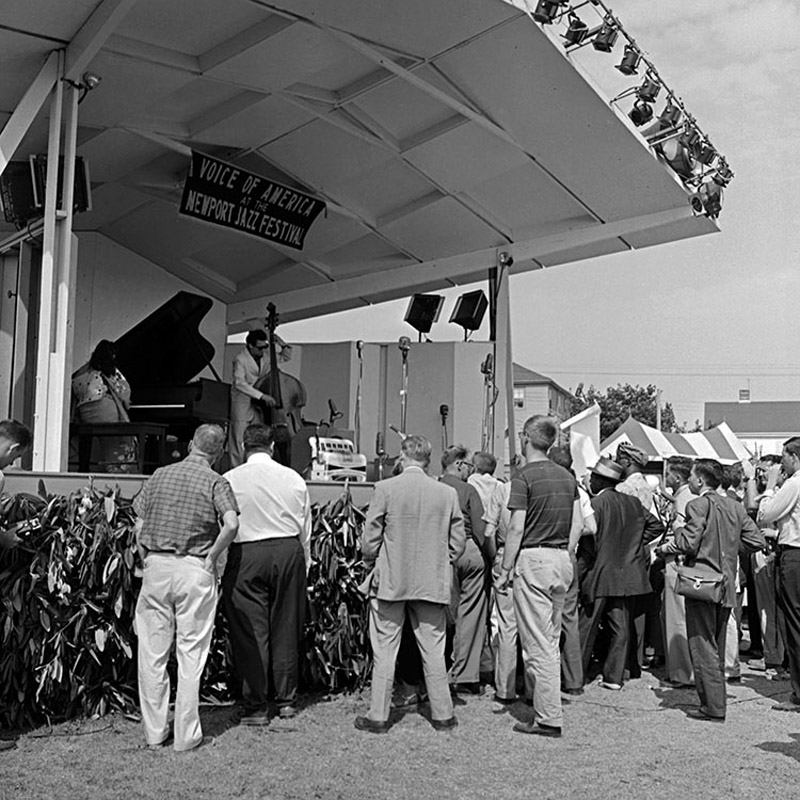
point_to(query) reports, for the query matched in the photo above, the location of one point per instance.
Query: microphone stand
(487, 427)
(405, 345)
(360, 352)
(444, 410)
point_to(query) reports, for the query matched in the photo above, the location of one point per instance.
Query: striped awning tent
(720, 443)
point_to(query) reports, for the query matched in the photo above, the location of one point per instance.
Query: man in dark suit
(613, 564)
(716, 529)
(470, 578)
(413, 536)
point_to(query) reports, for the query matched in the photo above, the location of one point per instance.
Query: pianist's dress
(99, 398)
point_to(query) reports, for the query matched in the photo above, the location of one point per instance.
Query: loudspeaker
(423, 310)
(470, 309)
(16, 194)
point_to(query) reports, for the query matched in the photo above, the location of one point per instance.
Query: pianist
(101, 393)
(249, 365)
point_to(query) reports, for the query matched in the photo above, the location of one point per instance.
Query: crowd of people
(536, 586)
(555, 583)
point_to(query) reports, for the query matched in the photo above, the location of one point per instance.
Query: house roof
(776, 418)
(439, 135)
(528, 377)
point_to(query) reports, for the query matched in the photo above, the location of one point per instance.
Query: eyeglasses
(468, 464)
(260, 346)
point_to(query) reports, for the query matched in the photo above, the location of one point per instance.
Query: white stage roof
(439, 134)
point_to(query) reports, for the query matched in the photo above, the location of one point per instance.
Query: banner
(584, 439)
(219, 193)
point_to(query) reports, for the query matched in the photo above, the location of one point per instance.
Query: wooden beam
(312, 301)
(86, 43)
(28, 107)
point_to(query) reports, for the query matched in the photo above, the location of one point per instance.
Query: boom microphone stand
(360, 351)
(405, 345)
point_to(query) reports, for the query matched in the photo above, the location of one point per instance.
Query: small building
(535, 393)
(762, 426)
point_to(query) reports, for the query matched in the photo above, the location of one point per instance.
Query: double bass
(288, 394)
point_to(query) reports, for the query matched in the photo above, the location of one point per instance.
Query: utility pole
(658, 409)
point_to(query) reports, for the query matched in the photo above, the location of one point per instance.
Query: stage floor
(68, 482)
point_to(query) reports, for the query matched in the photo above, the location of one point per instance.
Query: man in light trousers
(186, 517)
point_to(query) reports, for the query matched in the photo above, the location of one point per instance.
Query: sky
(700, 318)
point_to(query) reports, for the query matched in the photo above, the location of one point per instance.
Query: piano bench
(141, 431)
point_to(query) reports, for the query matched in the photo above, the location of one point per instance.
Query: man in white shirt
(783, 510)
(264, 585)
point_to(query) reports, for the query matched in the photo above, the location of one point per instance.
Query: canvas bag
(699, 581)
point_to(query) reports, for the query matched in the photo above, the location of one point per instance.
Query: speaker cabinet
(423, 310)
(470, 309)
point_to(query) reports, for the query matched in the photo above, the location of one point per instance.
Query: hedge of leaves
(68, 595)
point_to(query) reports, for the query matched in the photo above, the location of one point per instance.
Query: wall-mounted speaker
(423, 310)
(470, 309)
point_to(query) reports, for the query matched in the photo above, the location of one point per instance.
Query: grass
(637, 743)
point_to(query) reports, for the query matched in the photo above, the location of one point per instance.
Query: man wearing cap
(633, 460)
(545, 525)
(614, 563)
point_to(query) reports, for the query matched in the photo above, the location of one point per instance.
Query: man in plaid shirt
(186, 517)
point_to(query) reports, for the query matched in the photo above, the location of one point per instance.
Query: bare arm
(227, 533)
(511, 551)
(576, 525)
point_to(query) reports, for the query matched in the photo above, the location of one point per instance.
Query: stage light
(708, 199)
(606, 37)
(641, 113)
(678, 157)
(630, 60)
(547, 10)
(671, 115)
(576, 32)
(691, 138)
(649, 89)
(724, 173)
(705, 153)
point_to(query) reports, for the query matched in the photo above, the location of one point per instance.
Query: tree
(622, 401)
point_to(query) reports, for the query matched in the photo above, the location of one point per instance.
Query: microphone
(444, 410)
(404, 344)
(379, 444)
(359, 346)
(335, 413)
(403, 436)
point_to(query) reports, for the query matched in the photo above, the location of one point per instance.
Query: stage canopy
(720, 443)
(438, 134)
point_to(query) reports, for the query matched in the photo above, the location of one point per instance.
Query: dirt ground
(637, 743)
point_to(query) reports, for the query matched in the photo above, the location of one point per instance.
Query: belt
(546, 546)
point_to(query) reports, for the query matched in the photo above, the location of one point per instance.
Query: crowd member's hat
(606, 468)
(632, 453)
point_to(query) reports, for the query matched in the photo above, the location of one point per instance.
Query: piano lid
(166, 347)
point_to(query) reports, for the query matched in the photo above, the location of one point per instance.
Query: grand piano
(159, 356)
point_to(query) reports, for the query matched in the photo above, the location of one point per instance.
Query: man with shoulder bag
(716, 529)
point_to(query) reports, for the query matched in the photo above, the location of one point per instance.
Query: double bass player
(247, 402)
(263, 394)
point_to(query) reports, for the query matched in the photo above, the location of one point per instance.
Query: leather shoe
(538, 730)
(506, 701)
(371, 725)
(254, 720)
(614, 687)
(287, 712)
(7, 744)
(444, 724)
(575, 692)
(410, 701)
(701, 714)
(786, 705)
(465, 688)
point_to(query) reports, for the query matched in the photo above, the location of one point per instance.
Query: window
(519, 397)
